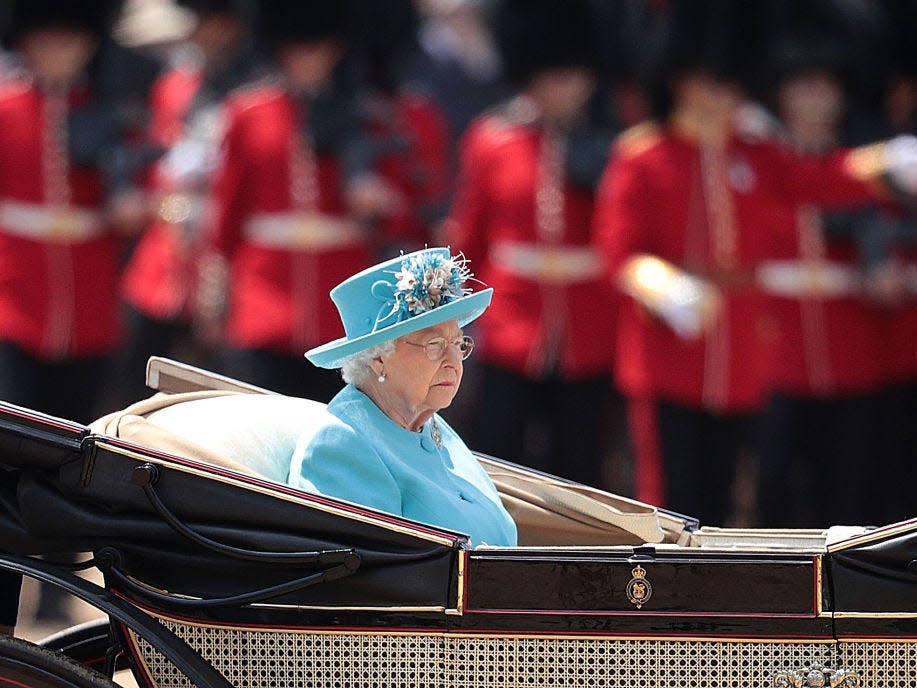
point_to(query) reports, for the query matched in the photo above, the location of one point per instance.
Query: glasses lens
(436, 348)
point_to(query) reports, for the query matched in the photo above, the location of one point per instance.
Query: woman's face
(413, 380)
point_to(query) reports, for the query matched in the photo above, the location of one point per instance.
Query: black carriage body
(406, 604)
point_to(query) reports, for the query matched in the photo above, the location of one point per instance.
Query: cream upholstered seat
(250, 433)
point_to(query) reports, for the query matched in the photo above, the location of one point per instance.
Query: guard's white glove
(901, 162)
(688, 304)
(189, 161)
(690, 307)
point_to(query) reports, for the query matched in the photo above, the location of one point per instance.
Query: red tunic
(717, 216)
(278, 216)
(157, 279)
(821, 344)
(528, 233)
(58, 260)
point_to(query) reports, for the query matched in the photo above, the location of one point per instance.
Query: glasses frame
(464, 344)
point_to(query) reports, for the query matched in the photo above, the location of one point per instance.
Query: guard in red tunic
(893, 270)
(523, 216)
(186, 122)
(58, 249)
(824, 350)
(688, 211)
(293, 184)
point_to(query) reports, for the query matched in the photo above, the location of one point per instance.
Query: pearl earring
(381, 377)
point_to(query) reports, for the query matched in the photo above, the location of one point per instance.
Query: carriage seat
(254, 434)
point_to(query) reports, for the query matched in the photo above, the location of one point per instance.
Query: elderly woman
(384, 445)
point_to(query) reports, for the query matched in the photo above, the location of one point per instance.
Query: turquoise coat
(363, 456)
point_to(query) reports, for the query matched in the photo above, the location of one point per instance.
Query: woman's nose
(453, 354)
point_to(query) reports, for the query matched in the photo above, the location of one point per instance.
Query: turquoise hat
(400, 296)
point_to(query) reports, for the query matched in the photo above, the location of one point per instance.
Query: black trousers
(700, 452)
(282, 373)
(68, 389)
(823, 461)
(146, 337)
(554, 425)
(899, 463)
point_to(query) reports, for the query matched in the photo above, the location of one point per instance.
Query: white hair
(357, 368)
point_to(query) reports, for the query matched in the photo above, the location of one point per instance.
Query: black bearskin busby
(537, 35)
(721, 38)
(217, 6)
(384, 40)
(302, 21)
(902, 16)
(29, 15)
(845, 38)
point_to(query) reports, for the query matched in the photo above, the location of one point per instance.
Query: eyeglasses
(436, 348)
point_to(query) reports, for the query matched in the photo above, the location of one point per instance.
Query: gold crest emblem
(639, 590)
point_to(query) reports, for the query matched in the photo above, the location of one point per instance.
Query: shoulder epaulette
(505, 121)
(12, 85)
(639, 138)
(256, 92)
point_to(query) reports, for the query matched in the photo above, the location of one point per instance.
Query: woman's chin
(441, 396)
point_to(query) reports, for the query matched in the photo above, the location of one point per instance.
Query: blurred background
(189, 178)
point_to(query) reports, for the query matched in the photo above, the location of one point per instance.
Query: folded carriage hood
(876, 572)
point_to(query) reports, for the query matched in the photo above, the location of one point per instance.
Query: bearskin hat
(217, 6)
(302, 21)
(722, 38)
(537, 35)
(902, 15)
(28, 15)
(847, 38)
(384, 39)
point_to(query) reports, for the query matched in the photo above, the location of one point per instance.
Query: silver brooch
(436, 434)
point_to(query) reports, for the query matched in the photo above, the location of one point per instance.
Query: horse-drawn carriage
(218, 574)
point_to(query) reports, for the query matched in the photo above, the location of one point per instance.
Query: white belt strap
(794, 278)
(559, 264)
(302, 231)
(64, 224)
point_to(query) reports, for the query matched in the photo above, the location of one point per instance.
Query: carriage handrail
(146, 476)
(109, 561)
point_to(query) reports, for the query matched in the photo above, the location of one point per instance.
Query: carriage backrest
(250, 433)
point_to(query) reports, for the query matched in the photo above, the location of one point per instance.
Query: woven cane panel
(259, 659)
(609, 663)
(256, 659)
(881, 665)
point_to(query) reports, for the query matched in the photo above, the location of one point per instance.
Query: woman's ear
(377, 365)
